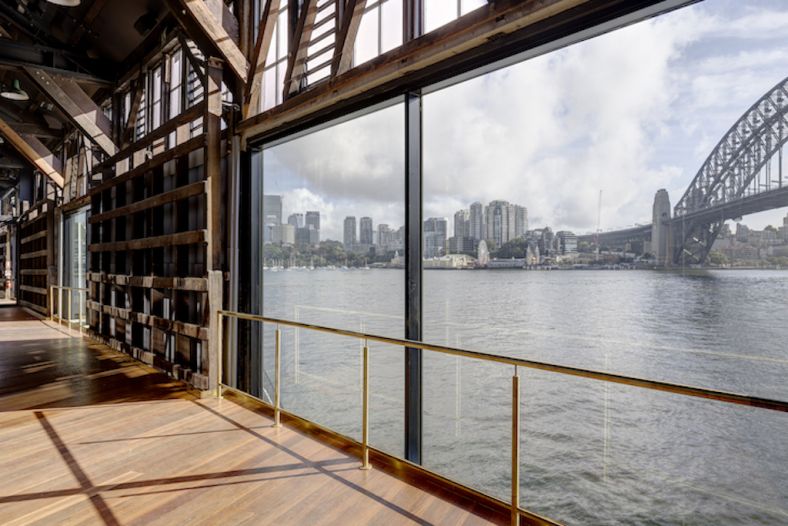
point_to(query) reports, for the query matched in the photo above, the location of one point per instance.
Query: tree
(516, 248)
(717, 258)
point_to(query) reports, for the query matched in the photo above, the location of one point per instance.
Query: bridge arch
(738, 167)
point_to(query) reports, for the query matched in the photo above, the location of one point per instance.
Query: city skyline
(498, 221)
(655, 123)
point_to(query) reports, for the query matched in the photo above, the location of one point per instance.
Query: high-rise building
(784, 229)
(520, 221)
(297, 220)
(476, 222)
(283, 234)
(365, 231)
(313, 220)
(386, 238)
(500, 221)
(349, 232)
(272, 209)
(435, 229)
(462, 225)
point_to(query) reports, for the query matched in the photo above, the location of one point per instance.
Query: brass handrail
(516, 510)
(655, 385)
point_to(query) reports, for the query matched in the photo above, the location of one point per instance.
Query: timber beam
(201, 24)
(254, 87)
(343, 51)
(35, 152)
(77, 106)
(493, 33)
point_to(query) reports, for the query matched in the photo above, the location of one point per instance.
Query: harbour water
(593, 453)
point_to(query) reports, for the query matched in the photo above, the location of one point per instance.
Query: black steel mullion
(413, 276)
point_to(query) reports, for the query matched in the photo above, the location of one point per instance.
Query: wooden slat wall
(147, 280)
(36, 256)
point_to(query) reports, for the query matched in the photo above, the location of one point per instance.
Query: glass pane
(469, 5)
(550, 217)
(269, 88)
(326, 196)
(74, 264)
(438, 13)
(367, 39)
(391, 35)
(282, 34)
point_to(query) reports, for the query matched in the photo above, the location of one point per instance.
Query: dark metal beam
(13, 56)
(58, 59)
(413, 276)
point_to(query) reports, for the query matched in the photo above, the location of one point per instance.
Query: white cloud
(627, 113)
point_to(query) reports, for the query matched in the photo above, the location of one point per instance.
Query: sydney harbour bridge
(742, 175)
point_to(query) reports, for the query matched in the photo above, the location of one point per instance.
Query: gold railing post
(365, 410)
(60, 305)
(515, 449)
(70, 300)
(220, 360)
(79, 310)
(51, 303)
(278, 377)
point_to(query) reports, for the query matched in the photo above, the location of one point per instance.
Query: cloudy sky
(626, 113)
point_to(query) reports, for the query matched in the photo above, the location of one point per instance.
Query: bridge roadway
(741, 207)
(777, 198)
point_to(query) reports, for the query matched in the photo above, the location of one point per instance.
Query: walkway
(90, 436)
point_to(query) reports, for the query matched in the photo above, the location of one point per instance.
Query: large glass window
(74, 265)
(380, 30)
(613, 205)
(332, 210)
(548, 190)
(440, 12)
(276, 62)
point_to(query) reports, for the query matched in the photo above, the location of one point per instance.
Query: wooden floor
(89, 436)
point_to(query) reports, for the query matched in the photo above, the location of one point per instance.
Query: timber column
(213, 178)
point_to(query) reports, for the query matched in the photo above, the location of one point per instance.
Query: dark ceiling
(93, 44)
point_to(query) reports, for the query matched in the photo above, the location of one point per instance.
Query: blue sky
(627, 113)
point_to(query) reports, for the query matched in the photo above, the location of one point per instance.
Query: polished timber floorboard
(90, 436)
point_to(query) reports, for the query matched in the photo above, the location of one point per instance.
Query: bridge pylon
(661, 233)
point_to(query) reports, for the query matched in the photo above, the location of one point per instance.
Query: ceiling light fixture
(15, 92)
(65, 3)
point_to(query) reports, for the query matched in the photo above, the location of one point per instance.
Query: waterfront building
(349, 238)
(482, 254)
(547, 243)
(313, 219)
(450, 261)
(272, 209)
(365, 235)
(520, 221)
(462, 245)
(284, 234)
(500, 220)
(462, 224)
(506, 263)
(388, 239)
(435, 229)
(476, 225)
(297, 220)
(566, 242)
